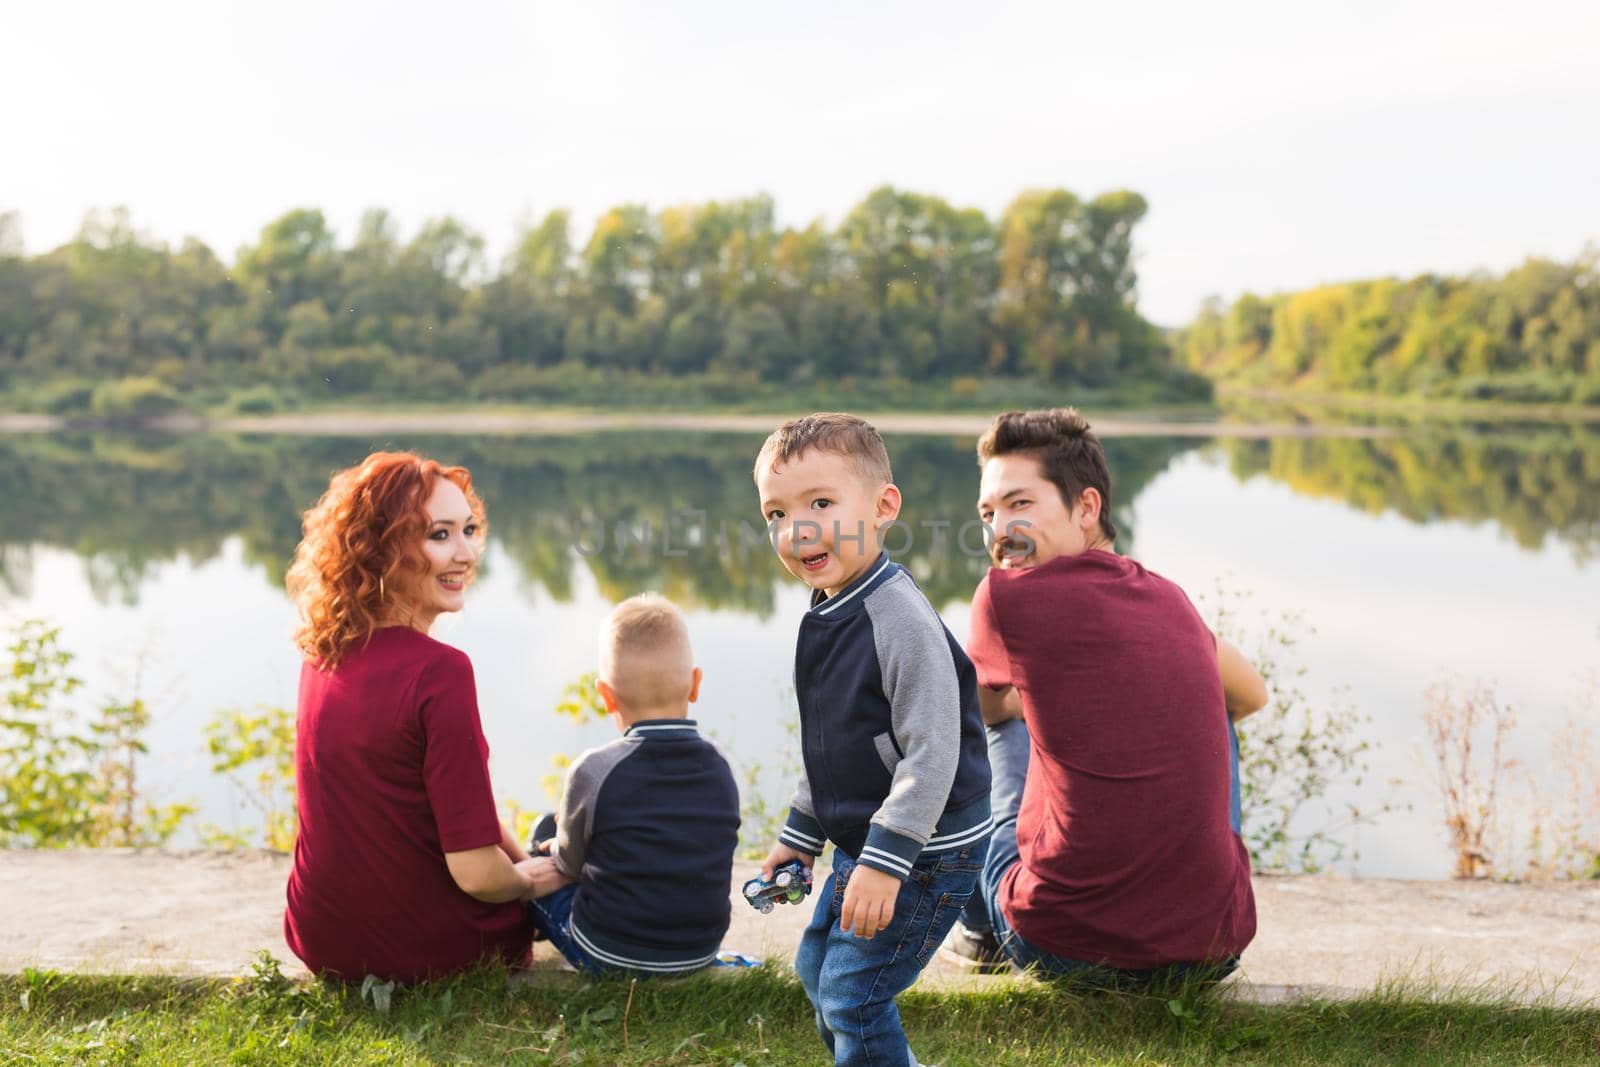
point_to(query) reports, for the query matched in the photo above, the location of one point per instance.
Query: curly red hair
(366, 530)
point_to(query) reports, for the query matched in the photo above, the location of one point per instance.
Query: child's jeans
(552, 917)
(852, 981)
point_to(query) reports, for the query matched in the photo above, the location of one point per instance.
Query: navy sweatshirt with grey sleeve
(648, 826)
(896, 764)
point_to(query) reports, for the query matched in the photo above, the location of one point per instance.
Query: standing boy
(895, 772)
(648, 823)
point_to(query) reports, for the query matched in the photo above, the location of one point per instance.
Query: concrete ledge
(1321, 936)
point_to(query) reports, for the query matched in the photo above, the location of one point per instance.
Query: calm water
(1414, 557)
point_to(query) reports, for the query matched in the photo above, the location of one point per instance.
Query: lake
(1417, 555)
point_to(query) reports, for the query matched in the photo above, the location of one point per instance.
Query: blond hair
(850, 436)
(645, 654)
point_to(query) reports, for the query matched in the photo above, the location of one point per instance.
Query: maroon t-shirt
(392, 772)
(1127, 855)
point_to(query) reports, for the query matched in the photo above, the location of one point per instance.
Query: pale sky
(1279, 144)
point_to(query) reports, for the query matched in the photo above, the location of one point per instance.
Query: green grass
(759, 1017)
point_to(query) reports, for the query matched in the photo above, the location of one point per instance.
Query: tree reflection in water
(127, 502)
(1535, 483)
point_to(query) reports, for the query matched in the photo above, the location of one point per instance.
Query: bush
(65, 396)
(133, 398)
(1528, 387)
(66, 778)
(256, 400)
(1587, 391)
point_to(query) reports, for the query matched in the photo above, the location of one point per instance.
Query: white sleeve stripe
(639, 965)
(887, 859)
(949, 841)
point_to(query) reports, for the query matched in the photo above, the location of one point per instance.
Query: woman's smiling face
(450, 548)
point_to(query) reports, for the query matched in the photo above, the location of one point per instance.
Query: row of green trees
(1532, 334)
(906, 288)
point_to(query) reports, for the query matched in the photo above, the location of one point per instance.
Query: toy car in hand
(790, 882)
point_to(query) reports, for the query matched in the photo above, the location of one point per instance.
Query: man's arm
(1243, 690)
(999, 705)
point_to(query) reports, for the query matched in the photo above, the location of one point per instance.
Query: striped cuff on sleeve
(803, 833)
(889, 852)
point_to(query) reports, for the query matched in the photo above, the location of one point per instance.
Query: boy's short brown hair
(645, 654)
(1069, 454)
(850, 436)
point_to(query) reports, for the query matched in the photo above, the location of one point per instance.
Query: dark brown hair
(849, 436)
(1069, 455)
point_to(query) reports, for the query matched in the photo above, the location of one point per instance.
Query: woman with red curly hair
(402, 868)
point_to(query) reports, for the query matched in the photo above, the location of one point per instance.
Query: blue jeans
(852, 981)
(551, 917)
(1009, 751)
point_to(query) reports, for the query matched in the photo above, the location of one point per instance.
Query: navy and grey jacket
(648, 825)
(896, 764)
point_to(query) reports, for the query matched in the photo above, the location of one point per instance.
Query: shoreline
(505, 423)
(1413, 410)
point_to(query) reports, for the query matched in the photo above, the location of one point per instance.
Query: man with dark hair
(1116, 854)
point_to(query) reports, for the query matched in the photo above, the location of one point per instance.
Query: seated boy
(648, 823)
(895, 771)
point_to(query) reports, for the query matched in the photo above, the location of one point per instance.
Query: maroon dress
(392, 772)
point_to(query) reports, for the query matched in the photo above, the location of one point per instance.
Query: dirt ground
(124, 910)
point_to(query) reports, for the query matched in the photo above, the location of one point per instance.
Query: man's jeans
(852, 981)
(1009, 750)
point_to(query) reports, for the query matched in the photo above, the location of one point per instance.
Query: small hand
(543, 876)
(868, 901)
(780, 855)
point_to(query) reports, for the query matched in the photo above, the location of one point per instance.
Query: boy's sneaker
(979, 949)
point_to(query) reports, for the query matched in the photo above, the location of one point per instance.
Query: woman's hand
(543, 877)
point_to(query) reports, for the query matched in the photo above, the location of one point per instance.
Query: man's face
(1031, 523)
(824, 517)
